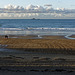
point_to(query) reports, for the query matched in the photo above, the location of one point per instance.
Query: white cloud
(30, 11)
(34, 8)
(9, 6)
(60, 9)
(36, 15)
(30, 7)
(18, 15)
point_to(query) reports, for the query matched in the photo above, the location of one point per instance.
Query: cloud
(9, 6)
(36, 15)
(29, 7)
(30, 11)
(48, 5)
(18, 15)
(19, 9)
(35, 9)
(32, 8)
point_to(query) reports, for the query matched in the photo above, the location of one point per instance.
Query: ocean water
(37, 27)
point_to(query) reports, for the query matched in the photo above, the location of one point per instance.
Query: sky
(54, 3)
(45, 9)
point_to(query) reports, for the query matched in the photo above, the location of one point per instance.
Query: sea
(39, 27)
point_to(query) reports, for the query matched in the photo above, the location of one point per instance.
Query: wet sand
(73, 36)
(57, 44)
(31, 63)
(55, 53)
(36, 71)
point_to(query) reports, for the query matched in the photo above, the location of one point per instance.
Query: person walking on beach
(6, 37)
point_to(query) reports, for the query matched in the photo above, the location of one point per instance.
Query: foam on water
(41, 28)
(38, 31)
(37, 27)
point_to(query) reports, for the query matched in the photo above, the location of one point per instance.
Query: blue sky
(55, 3)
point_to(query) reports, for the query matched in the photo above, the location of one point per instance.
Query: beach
(58, 43)
(54, 54)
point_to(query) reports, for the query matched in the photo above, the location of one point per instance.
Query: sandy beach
(57, 44)
(55, 53)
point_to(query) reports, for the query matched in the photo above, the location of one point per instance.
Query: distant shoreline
(40, 36)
